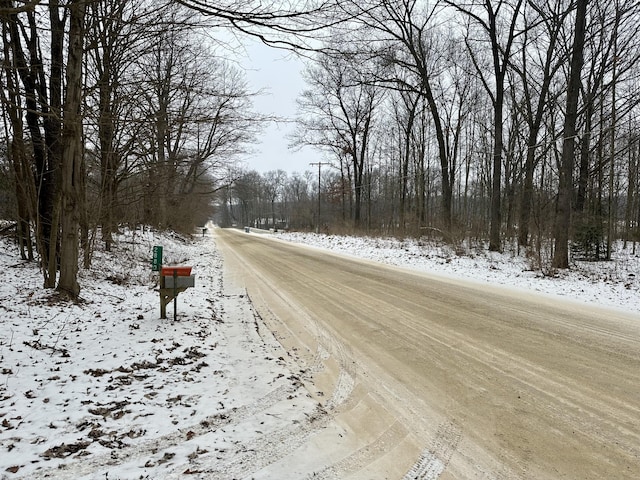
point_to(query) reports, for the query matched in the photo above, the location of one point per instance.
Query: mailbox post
(173, 280)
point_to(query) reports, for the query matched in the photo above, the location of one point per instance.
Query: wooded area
(510, 121)
(115, 112)
(489, 121)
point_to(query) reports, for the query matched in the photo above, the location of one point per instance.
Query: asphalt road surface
(436, 378)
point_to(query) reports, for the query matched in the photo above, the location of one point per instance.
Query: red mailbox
(174, 279)
(179, 271)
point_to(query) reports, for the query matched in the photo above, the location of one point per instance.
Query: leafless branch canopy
(294, 24)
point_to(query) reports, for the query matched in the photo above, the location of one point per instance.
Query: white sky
(277, 74)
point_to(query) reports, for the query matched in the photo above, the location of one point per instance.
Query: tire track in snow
(346, 379)
(327, 347)
(436, 458)
(363, 456)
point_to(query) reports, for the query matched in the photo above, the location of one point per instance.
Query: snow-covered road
(482, 379)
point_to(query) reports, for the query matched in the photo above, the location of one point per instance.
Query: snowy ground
(105, 389)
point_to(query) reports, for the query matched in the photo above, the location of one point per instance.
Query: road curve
(432, 377)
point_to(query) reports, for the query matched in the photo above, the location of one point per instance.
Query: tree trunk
(72, 153)
(527, 195)
(447, 189)
(107, 159)
(612, 154)
(551, 66)
(16, 151)
(496, 191)
(585, 144)
(565, 185)
(500, 59)
(632, 168)
(357, 192)
(52, 115)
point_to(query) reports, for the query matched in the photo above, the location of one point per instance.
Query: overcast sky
(278, 74)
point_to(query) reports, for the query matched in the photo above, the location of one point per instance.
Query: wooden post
(175, 294)
(163, 304)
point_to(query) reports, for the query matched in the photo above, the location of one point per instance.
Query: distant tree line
(500, 121)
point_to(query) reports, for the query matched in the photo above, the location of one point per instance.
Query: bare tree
(72, 153)
(247, 192)
(273, 183)
(196, 117)
(42, 93)
(297, 192)
(17, 150)
(337, 113)
(412, 44)
(500, 33)
(541, 57)
(611, 53)
(116, 36)
(405, 110)
(565, 185)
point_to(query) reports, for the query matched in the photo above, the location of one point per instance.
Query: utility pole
(319, 164)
